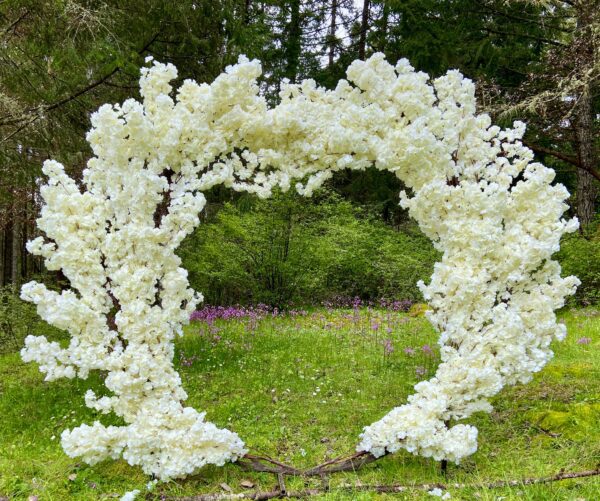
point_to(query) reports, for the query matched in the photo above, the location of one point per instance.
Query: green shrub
(289, 248)
(580, 256)
(18, 319)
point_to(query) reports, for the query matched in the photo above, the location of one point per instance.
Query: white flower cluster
(130, 496)
(476, 193)
(439, 493)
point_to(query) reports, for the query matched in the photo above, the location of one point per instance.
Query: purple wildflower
(388, 347)
(427, 349)
(209, 314)
(187, 362)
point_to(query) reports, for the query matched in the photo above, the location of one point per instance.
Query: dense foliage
(290, 249)
(17, 320)
(580, 256)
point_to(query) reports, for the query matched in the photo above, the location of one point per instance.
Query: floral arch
(476, 193)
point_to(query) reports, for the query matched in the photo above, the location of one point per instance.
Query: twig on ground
(342, 463)
(281, 492)
(267, 465)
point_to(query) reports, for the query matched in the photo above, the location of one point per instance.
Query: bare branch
(525, 35)
(15, 22)
(281, 492)
(38, 111)
(557, 154)
(561, 156)
(527, 20)
(95, 84)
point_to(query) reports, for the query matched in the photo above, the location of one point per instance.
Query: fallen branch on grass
(265, 464)
(282, 492)
(342, 463)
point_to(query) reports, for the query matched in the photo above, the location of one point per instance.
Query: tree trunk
(332, 30)
(294, 43)
(384, 27)
(364, 26)
(587, 189)
(15, 265)
(247, 12)
(29, 231)
(2, 255)
(7, 252)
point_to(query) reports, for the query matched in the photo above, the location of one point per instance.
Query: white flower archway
(476, 193)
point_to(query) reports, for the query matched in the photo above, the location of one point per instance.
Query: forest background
(61, 59)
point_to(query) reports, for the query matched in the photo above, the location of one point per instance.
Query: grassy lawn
(300, 388)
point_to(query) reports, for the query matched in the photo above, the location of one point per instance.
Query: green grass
(300, 389)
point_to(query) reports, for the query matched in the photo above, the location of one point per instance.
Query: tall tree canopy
(536, 60)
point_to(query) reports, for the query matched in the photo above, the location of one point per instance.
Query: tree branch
(342, 463)
(527, 20)
(49, 107)
(524, 35)
(280, 492)
(562, 156)
(15, 22)
(98, 82)
(80, 92)
(548, 151)
(266, 465)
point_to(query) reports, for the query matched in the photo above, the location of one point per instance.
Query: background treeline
(533, 60)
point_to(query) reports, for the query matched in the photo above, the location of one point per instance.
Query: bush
(580, 256)
(289, 248)
(18, 319)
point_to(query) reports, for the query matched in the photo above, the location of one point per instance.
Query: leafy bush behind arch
(290, 249)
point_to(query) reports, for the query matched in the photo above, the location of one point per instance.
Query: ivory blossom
(473, 188)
